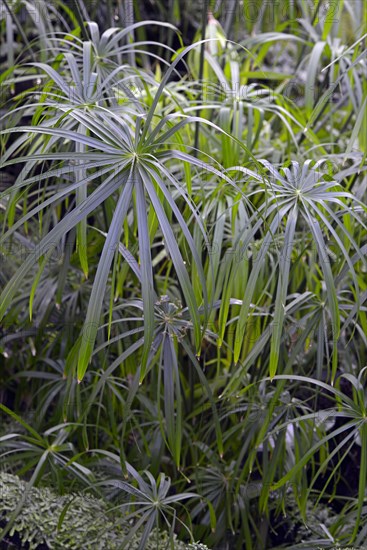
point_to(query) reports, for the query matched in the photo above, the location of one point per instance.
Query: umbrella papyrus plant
(301, 203)
(124, 161)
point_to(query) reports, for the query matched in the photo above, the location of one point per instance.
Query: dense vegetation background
(183, 271)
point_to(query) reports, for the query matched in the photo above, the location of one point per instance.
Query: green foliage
(72, 521)
(183, 285)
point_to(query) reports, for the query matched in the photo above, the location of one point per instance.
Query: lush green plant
(71, 521)
(183, 291)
